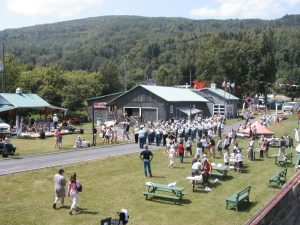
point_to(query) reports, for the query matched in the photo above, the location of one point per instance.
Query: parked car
(4, 127)
(291, 106)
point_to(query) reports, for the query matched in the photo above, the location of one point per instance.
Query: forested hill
(85, 43)
(94, 54)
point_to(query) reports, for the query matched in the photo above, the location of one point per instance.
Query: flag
(200, 84)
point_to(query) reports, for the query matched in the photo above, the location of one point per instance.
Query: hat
(55, 114)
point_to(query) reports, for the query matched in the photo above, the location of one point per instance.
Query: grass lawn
(118, 182)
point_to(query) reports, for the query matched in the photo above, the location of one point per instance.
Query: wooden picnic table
(164, 191)
(219, 170)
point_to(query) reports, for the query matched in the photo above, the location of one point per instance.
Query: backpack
(79, 188)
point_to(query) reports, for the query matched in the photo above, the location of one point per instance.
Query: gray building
(156, 103)
(220, 101)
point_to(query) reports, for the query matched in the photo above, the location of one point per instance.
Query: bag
(79, 188)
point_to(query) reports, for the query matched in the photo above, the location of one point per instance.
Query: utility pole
(2, 68)
(190, 77)
(125, 76)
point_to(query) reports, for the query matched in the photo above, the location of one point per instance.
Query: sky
(23, 13)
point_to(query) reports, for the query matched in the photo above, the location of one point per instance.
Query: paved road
(27, 163)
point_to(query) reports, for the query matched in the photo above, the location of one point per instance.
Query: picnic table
(219, 170)
(195, 180)
(164, 191)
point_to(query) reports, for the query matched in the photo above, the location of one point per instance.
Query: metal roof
(10, 101)
(6, 107)
(172, 94)
(23, 100)
(221, 93)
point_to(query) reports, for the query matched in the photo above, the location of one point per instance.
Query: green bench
(286, 161)
(164, 191)
(219, 171)
(234, 200)
(278, 180)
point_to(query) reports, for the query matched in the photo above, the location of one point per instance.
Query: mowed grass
(118, 182)
(35, 146)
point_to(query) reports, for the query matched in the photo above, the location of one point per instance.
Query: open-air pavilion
(14, 106)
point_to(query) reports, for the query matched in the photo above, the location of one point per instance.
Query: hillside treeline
(68, 62)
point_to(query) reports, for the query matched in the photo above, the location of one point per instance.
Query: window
(112, 108)
(219, 109)
(171, 109)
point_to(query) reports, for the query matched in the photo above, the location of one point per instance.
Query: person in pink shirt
(74, 187)
(58, 139)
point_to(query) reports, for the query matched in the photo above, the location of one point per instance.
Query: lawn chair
(106, 221)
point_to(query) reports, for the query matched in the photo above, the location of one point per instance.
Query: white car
(291, 106)
(4, 127)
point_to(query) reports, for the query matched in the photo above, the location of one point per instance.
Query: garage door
(149, 114)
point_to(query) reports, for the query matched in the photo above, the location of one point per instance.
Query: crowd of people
(206, 137)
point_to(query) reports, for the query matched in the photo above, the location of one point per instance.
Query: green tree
(109, 78)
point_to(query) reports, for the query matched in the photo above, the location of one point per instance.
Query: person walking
(181, 150)
(146, 155)
(59, 188)
(74, 187)
(58, 139)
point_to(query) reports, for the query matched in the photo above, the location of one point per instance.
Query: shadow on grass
(158, 176)
(169, 201)
(85, 211)
(179, 167)
(245, 206)
(225, 178)
(259, 159)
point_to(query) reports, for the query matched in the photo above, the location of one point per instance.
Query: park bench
(164, 191)
(278, 180)
(234, 200)
(286, 161)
